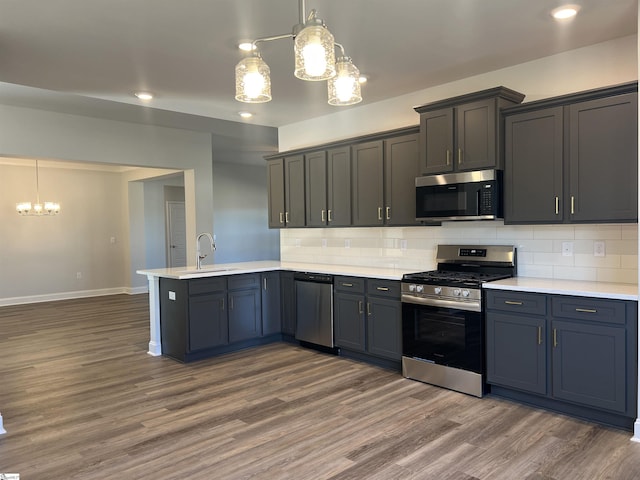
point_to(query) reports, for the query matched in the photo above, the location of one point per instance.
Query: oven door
(443, 335)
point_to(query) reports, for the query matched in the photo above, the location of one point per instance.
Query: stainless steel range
(442, 319)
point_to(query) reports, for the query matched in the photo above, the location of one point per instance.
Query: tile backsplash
(543, 250)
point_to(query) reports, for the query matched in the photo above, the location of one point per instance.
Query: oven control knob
(437, 290)
(420, 288)
(465, 293)
(456, 292)
(412, 287)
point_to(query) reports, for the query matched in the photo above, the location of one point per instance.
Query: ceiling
(84, 53)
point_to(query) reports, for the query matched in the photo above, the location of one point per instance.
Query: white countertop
(183, 273)
(619, 291)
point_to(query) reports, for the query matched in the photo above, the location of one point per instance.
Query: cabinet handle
(539, 335)
(329, 216)
(281, 217)
(264, 281)
(573, 204)
(555, 338)
(222, 304)
(448, 157)
(586, 310)
(286, 217)
(322, 215)
(368, 308)
(557, 205)
(382, 289)
(459, 156)
(360, 311)
(379, 213)
(231, 303)
(388, 213)
(511, 302)
(347, 284)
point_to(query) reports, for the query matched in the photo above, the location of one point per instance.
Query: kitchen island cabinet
(573, 159)
(463, 133)
(577, 355)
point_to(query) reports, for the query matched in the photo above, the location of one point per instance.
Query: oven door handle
(473, 306)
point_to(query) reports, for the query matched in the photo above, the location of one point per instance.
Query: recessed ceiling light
(565, 12)
(245, 114)
(144, 95)
(247, 46)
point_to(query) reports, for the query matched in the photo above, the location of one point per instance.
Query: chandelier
(315, 60)
(37, 209)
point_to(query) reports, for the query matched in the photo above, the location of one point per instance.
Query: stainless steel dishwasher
(314, 308)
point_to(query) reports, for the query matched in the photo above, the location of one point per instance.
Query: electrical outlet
(403, 244)
(347, 243)
(297, 242)
(598, 249)
(172, 295)
(112, 240)
(567, 249)
(324, 243)
(78, 275)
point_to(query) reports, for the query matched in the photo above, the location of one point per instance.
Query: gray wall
(240, 214)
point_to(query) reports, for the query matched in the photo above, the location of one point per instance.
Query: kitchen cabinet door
(245, 320)
(275, 178)
(436, 136)
(339, 187)
(349, 321)
(603, 160)
(401, 167)
(208, 326)
(533, 186)
(294, 191)
(516, 351)
(316, 188)
(589, 364)
(476, 135)
(287, 289)
(368, 183)
(271, 303)
(384, 327)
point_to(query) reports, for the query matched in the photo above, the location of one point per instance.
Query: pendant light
(37, 209)
(315, 60)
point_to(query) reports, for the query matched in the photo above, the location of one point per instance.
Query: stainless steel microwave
(475, 195)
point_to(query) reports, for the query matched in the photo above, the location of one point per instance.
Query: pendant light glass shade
(344, 88)
(253, 83)
(314, 53)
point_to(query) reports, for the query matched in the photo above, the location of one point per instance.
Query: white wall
(539, 251)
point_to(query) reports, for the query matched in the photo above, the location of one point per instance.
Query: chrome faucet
(199, 256)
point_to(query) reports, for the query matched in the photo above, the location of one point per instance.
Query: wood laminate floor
(81, 399)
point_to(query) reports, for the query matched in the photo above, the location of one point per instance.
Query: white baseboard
(2, 430)
(51, 297)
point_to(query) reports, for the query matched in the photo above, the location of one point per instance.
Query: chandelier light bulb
(314, 52)
(253, 84)
(344, 88)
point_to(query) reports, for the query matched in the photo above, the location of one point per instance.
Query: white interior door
(176, 235)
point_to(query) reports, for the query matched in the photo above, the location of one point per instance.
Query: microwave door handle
(478, 206)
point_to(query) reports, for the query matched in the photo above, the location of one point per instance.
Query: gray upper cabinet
(533, 166)
(339, 187)
(316, 188)
(328, 188)
(603, 160)
(463, 133)
(401, 167)
(275, 179)
(573, 158)
(286, 192)
(367, 183)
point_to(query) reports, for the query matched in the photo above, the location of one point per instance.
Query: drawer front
(516, 302)
(207, 285)
(383, 288)
(244, 281)
(589, 309)
(349, 284)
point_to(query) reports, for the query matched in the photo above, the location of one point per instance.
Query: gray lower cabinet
(573, 159)
(575, 354)
(288, 298)
(367, 316)
(208, 326)
(271, 303)
(245, 319)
